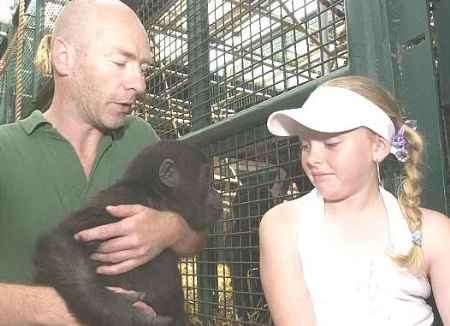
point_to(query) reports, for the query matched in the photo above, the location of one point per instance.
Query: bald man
(52, 162)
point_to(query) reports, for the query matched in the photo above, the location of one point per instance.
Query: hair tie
(416, 238)
(399, 143)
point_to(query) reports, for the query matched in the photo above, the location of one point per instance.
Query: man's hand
(140, 235)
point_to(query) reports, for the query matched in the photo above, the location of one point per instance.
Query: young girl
(349, 252)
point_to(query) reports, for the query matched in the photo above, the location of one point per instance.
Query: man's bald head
(80, 20)
(99, 53)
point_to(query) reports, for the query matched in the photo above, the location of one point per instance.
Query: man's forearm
(190, 242)
(32, 305)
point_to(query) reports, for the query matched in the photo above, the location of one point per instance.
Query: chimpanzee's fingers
(133, 296)
(162, 321)
(144, 308)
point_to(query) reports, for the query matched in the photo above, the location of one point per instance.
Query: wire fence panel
(253, 171)
(218, 57)
(212, 60)
(237, 54)
(38, 20)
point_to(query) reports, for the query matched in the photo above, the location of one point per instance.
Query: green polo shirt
(42, 180)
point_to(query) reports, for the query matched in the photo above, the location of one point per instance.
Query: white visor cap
(331, 109)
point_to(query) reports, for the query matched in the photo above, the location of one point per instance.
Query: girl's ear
(169, 174)
(380, 148)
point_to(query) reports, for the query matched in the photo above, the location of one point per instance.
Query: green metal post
(390, 41)
(416, 86)
(368, 40)
(442, 21)
(198, 57)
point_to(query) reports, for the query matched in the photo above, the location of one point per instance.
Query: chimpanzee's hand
(140, 235)
(136, 298)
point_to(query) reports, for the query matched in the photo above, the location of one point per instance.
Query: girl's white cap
(331, 109)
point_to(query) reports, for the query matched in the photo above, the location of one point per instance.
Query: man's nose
(136, 81)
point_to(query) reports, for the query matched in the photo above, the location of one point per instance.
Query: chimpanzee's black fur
(64, 263)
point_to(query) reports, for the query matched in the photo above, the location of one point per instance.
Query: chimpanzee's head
(181, 174)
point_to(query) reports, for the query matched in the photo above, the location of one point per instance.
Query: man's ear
(380, 148)
(61, 55)
(169, 174)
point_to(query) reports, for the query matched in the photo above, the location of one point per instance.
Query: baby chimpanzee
(168, 175)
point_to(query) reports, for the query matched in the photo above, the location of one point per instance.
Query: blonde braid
(410, 190)
(409, 193)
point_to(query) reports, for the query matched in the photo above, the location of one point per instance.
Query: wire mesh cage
(212, 60)
(216, 58)
(253, 172)
(18, 73)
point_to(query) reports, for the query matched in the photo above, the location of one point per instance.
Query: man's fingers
(122, 267)
(118, 244)
(120, 256)
(113, 257)
(111, 230)
(123, 211)
(102, 232)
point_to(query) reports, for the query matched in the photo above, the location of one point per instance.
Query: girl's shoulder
(286, 214)
(281, 213)
(435, 222)
(436, 234)
(278, 229)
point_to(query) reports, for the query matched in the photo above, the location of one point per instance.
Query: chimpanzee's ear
(168, 173)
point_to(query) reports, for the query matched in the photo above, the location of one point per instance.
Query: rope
(19, 58)
(9, 51)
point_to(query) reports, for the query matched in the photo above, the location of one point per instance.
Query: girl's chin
(330, 195)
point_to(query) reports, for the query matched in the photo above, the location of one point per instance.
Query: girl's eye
(332, 144)
(120, 63)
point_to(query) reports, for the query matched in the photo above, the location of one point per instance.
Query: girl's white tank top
(360, 290)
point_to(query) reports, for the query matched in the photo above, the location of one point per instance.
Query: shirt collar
(36, 119)
(32, 122)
